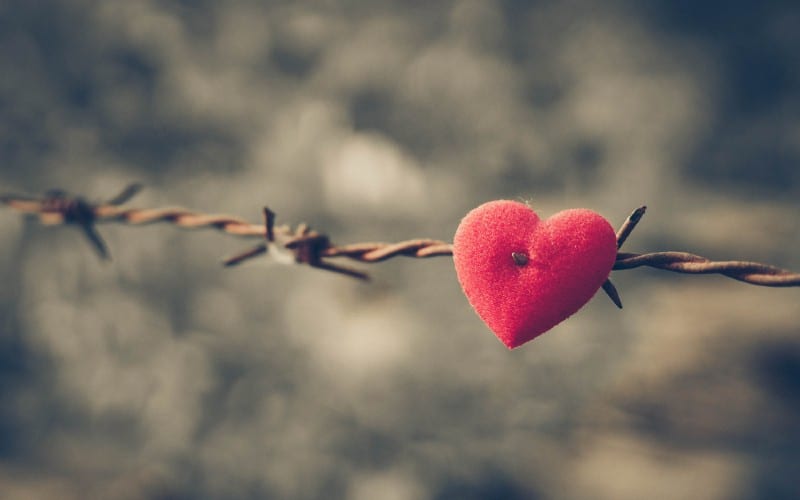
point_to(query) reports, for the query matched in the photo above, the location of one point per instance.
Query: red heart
(522, 275)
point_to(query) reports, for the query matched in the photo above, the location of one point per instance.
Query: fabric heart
(522, 275)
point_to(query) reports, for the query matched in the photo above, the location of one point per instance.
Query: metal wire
(682, 262)
(687, 263)
(312, 248)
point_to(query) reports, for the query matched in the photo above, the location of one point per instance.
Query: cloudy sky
(163, 375)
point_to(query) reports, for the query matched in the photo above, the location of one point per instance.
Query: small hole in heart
(520, 258)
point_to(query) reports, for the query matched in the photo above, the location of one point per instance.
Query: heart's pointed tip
(514, 342)
(508, 340)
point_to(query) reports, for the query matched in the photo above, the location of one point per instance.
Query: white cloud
(368, 175)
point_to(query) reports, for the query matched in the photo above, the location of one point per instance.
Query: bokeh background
(163, 375)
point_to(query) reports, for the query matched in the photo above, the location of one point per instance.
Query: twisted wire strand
(754, 273)
(182, 217)
(59, 209)
(378, 252)
(188, 219)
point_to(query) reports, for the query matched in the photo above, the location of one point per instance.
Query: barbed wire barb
(306, 246)
(622, 234)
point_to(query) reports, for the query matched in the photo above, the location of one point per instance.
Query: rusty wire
(307, 246)
(315, 249)
(683, 262)
(753, 273)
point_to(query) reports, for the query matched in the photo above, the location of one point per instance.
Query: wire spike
(95, 240)
(126, 194)
(612, 293)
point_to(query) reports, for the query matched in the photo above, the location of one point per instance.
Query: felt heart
(523, 275)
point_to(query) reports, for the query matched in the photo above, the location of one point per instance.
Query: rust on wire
(753, 273)
(312, 248)
(683, 262)
(307, 247)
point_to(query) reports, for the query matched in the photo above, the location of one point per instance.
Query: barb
(629, 225)
(306, 246)
(58, 207)
(624, 231)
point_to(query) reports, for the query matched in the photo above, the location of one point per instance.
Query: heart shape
(523, 275)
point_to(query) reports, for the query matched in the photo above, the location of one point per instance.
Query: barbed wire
(315, 249)
(682, 262)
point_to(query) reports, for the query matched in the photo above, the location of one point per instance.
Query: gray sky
(163, 375)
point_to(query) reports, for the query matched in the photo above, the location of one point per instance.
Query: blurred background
(163, 375)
